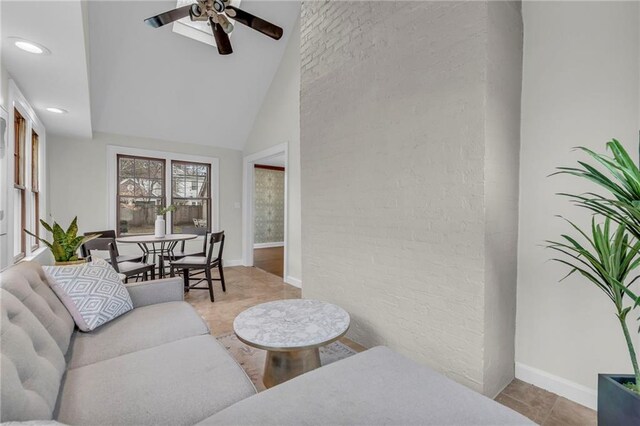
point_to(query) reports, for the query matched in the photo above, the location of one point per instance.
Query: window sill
(33, 255)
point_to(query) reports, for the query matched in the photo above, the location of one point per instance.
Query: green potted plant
(160, 225)
(65, 244)
(607, 258)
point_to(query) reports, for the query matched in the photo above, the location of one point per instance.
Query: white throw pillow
(92, 293)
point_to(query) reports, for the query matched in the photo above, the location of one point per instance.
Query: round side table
(291, 331)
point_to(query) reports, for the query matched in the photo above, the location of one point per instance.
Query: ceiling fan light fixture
(227, 26)
(195, 11)
(218, 6)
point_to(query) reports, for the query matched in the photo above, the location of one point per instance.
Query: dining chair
(130, 269)
(182, 253)
(127, 268)
(199, 264)
(120, 258)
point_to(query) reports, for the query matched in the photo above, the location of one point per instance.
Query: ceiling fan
(216, 13)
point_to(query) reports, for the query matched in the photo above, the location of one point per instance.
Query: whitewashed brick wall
(502, 160)
(393, 99)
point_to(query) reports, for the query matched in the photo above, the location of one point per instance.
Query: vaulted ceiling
(153, 82)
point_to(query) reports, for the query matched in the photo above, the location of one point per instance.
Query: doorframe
(248, 208)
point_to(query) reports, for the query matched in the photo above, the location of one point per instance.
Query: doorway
(265, 210)
(268, 215)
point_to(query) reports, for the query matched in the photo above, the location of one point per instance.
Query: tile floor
(545, 408)
(247, 287)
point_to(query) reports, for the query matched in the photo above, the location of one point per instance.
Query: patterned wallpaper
(269, 206)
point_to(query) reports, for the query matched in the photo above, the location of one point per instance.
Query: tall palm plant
(606, 260)
(609, 257)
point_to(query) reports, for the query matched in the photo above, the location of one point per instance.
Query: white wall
(78, 181)
(4, 87)
(580, 87)
(4, 95)
(279, 122)
(395, 160)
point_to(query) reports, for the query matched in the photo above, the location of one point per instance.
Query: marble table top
(291, 324)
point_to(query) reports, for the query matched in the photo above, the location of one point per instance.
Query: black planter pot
(617, 405)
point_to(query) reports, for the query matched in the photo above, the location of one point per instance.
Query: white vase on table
(160, 226)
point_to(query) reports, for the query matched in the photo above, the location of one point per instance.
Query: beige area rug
(252, 359)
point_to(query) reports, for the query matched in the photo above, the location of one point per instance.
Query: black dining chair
(120, 258)
(201, 264)
(182, 253)
(128, 269)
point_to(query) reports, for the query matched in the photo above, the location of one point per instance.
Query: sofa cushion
(141, 328)
(92, 292)
(31, 364)
(376, 387)
(27, 282)
(176, 383)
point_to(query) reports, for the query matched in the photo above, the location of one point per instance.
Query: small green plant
(609, 257)
(165, 210)
(65, 244)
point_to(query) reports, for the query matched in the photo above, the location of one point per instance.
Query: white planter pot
(160, 226)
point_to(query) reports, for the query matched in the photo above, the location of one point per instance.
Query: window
(35, 189)
(19, 199)
(21, 170)
(190, 193)
(141, 181)
(140, 192)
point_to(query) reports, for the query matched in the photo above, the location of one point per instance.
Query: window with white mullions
(140, 193)
(141, 181)
(22, 166)
(191, 195)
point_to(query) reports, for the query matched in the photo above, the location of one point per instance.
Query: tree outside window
(141, 192)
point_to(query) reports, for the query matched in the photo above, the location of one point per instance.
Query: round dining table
(157, 247)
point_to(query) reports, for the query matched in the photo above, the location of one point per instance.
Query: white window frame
(17, 101)
(112, 173)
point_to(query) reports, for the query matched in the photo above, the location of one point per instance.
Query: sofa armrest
(157, 291)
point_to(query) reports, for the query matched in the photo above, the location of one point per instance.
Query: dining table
(157, 247)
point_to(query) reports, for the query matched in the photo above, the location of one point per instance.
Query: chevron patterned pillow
(92, 293)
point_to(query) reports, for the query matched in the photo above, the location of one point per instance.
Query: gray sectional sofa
(158, 364)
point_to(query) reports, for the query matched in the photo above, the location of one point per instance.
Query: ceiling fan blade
(168, 17)
(254, 22)
(222, 39)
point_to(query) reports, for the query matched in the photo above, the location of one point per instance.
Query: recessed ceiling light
(30, 46)
(57, 110)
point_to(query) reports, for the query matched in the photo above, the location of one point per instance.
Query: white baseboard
(229, 263)
(293, 281)
(563, 387)
(268, 245)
